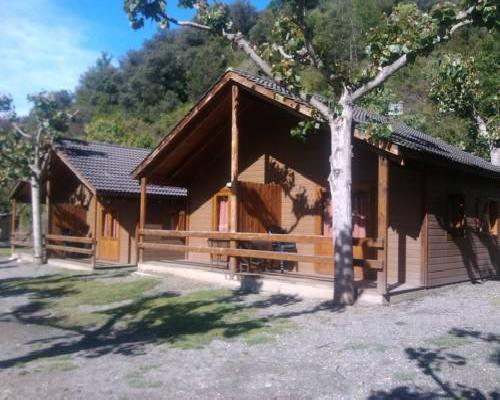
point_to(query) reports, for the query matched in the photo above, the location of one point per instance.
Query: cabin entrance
(108, 242)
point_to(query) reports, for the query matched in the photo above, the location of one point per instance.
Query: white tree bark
(36, 212)
(340, 181)
(492, 143)
(495, 156)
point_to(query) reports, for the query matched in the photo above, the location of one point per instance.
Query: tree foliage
(456, 89)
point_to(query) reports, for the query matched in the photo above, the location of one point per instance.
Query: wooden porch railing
(63, 241)
(20, 239)
(359, 249)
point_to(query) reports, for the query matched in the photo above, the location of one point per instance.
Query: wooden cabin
(424, 213)
(92, 202)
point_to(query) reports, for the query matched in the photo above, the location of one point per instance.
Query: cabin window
(455, 212)
(360, 212)
(488, 217)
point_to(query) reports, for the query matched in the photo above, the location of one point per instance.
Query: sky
(48, 44)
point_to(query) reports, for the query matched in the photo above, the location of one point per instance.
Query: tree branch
(247, 48)
(380, 78)
(284, 54)
(458, 25)
(190, 24)
(462, 19)
(483, 129)
(21, 132)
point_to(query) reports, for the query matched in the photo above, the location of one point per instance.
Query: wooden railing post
(93, 259)
(142, 219)
(94, 230)
(49, 214)
(233, 220)
(382, 222)
(13, 226)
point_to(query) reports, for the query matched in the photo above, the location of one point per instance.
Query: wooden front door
(108, 246)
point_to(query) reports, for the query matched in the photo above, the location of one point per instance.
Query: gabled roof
(106, 168)
(403, 136)
(21, 191)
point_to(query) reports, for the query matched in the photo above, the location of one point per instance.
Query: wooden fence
(62, 243)
(69, 244)
(20, 239)
(361, 248)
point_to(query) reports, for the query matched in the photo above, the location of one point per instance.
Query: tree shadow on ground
(430, 361)
(188, 321)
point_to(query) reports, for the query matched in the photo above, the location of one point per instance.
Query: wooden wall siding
(208, 181)
(405, 224)
(260, 207)
(299, 167)
(69, 219)
(451, 258)
(269, 154)
(254, 171)
(158, 217)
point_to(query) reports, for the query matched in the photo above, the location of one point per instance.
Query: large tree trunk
(340, 181)
(36, 216)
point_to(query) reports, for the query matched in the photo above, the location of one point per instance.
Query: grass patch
(448, 341)
(494, 301)
(59, 366)
(195, 320)
(55, 364)
(58, 299)
(365, 346)
(403, 376)
(138, 380)
(5, 252)
(94, 302)
(95, 293)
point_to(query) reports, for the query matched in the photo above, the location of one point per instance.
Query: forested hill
(137, 99)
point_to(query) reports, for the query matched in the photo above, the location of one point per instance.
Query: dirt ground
(116, 335)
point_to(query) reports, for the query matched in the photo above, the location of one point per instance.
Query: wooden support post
(48, 224)
(382, 222)
(142, 218)
(233, 210)
(94, 215)
(13, 226)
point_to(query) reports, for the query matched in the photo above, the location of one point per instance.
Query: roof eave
(75, 170)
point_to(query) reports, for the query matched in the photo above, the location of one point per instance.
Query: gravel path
(444, 345)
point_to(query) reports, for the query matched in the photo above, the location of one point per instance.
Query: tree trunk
(492, 143)
(36, 216)
(340, 181)
(495, 156)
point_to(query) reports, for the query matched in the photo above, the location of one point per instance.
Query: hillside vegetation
(137, 99)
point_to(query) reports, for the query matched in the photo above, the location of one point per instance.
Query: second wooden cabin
(92, 202)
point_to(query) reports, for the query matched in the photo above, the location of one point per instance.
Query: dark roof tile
(107, 167)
